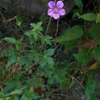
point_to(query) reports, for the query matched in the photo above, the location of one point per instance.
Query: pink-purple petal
(55, 15)
(51, 4)
(62, 12)
(50, 12)
(59, 4)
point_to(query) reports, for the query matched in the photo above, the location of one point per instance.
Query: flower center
(55, 10)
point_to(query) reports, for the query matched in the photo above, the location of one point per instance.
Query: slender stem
(78, 82)
(48, 26)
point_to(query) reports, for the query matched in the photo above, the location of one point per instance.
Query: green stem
(97, 42)
(88, 51)
(48, 26)
(23, 32)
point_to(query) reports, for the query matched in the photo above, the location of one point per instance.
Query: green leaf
(29, 33)
(42, 62)
(1, 94)
(10, 40)
(95, 31)
(36, 82)
(79, 4)
(58, 76)
(70, 85)
(50, 60)
(81, 58)
(70, 35)
(19, 19)
(24, 98)
(45, 58)
(96, 54)
(88, 16)
(13, 84)
(26, 60)
(98, 18)
(35, 96)
(46, 70)
(12, 57)
(90, 88)
(37, 26)
(46, 39)
(49, 52)
(16, 92)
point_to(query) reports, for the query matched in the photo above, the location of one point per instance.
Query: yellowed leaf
(94, 66)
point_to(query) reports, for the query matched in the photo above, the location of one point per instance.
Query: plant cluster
(31, 69)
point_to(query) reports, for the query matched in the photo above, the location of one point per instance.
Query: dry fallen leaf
(89, 43)
(94, 66)
(39, 90)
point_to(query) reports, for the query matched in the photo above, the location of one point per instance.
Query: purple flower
(56, 9)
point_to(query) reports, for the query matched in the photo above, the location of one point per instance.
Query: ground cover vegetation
(45, 59)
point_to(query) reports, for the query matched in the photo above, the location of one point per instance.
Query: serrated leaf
(29, 33)
(42, 62)
(49, 52)
(46, 39)
(26, 60)
(88, 16)
(36, 82)
(58, 76)
(37, 26)
(12, 57)
(50, 60)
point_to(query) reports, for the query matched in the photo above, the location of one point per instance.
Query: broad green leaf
(90, 89)
(81, 58)
(70, 35)
(98, 18)
(88, 16)
(95, 31)
(79, 4)
(96, 54)
(10, 40)
(16, 92)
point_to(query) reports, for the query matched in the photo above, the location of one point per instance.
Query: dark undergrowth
(59, 62)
